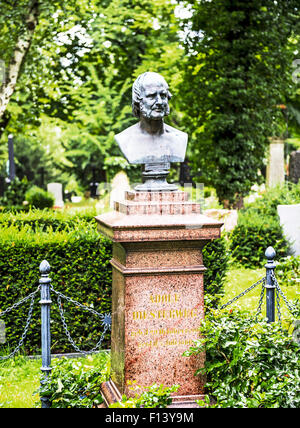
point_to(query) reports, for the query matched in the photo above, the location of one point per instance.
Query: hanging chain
(105, 320)
(20, 302)
(261, 298)
(243, 293)
(86, 308)
(32, 296)
(290, 307)
(278, 306)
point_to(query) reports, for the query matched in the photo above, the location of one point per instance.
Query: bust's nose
(158, 100)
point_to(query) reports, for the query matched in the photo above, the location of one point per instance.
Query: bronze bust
(150, 141)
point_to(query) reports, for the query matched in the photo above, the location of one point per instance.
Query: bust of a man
(150, 141)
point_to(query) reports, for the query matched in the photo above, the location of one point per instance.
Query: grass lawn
(19, 378)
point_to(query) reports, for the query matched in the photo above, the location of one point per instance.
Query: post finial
(270, 253)
(45, 267)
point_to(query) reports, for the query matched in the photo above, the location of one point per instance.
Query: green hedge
(216, 260)
(41, 220)
(249, 243)
(80, 269)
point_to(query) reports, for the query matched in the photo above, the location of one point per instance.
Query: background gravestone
(56, 190)
(290, 221)
(275, 167)
(294, 167)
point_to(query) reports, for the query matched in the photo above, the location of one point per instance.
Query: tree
(78, 73)
(238, 70)
(18, 23)
(128, 39)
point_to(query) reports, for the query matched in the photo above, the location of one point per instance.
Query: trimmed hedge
(259, 227)
(80, 269)
(41, 220)
(254, 233)
(216, 260)
(249, 243)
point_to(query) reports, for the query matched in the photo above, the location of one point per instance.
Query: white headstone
(120, 183)
(275, 167)
(228, 217)
(290, 221)
(56, 190)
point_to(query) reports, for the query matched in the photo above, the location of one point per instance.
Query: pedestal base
(112, 395)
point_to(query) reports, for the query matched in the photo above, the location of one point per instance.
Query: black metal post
(270, 286)
(45, 302)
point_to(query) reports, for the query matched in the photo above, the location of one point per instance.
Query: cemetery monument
(157, 265)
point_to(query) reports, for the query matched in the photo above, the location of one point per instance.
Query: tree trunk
(13, 70)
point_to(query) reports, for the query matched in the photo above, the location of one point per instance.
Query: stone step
(161, 208)
(177, 196)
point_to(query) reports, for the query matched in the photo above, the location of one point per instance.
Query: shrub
(288, 270)
(216, 260)
(80, 269)
(15, 193)
(259, 227)
(248, 365)
(39, 198)
(154, 396)
(266, 204)
(40, 220)
(248, 243)
(76, 383)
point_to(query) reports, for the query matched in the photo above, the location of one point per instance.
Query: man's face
(154, 103)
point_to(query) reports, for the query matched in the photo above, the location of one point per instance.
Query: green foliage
(248, 365)
(77, 76)
(154, 396)
(266, 204)
(15, 193)
(248, 243)
(80, 269)
(39, 198)
(19, 378)
(76, 383)
(259, 227)
(236, 74)
(33, 160)
(216, 260)
(288, 270)
(41, 220)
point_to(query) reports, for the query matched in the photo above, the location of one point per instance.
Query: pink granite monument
(158, 235)
(157, 296)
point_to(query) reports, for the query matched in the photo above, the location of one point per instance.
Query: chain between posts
(270, 284)
(105, 320)
(32, 296)
(45, 287)
(262, 280)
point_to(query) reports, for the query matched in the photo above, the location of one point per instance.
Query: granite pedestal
(157, 292)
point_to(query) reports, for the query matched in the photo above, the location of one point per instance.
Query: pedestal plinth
(157, 292)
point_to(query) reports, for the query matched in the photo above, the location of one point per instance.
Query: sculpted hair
(137, 92)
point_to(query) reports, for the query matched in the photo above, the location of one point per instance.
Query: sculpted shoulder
(127, 134)
(183, 136)
(139, 147)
